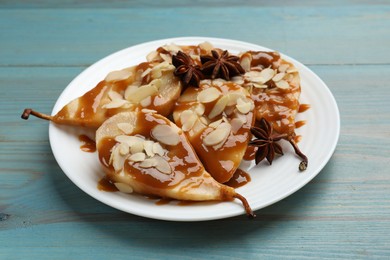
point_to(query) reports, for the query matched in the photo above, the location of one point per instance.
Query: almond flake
(159, 68)
(118, 75)
(115, 104)
(229, 110)
(146, 102)
(243, 106)
(283, 67)
(238, 80)
(282, 84)
(137, 147)
(128, 139)
(219, 107)
(148, 147)
(166, 134)
(148, 163)
(137, 157)
(189, 123)
(217, 136)
(145, 110)
(236, 123)
(246, 62)
(256, 85)
(206, 46)
(145, 91)
(233, 96)
(200, 108)
(113, 95)
(157, 149)
(122, 187)
(185, 115)
(278, 77)
(208, 95)
(215, 124)
(292, 70)
(162, 165)
(126, 128)
(152, 56)
(123, 149)
(166, 57)
(146, 72)
(130, 90)
(267, 74)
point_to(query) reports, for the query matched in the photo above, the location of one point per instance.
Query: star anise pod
(189, 73)
(221, 65)
(266, 142)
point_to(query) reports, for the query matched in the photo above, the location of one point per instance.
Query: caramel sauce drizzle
(87, 144)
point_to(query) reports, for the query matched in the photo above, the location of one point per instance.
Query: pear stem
(248, 209)
(28, 111)
(304, 162)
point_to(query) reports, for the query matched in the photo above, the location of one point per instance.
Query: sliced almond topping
(190, 122)
(158, 69)
(204, 120)
(162, 165)
(243, 106)
(172, 48)
(218, 135)
(118, 75)
(113, 95)
(152, 55)
(166, 134)
(254, 76)
(257, 85)
(137, 157)
(282, 84)
(137, 147)
(229, 110)
(215, 124)
(145, 110)
(130, 90)
(283, 67)
(126, 128)
(236, 123)
(116, 160)
(278, 76)
(123, 149)
(185, 115)
(128, 139)
(246, 62)
(166, 57)
(148, 163)
(206, 46)
(292, 70)
(233, 96)
(122, 187)
(146, 102)
(146, 72)
(145, 91)
(238, 80)
(200, 108)
(157, 149)
(219, 107)
(115, 104)
(267, 74)
(208, 95)
(148, 147)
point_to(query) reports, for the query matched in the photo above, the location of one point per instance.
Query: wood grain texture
(344, 213)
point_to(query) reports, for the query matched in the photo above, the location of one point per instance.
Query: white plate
(269, 183)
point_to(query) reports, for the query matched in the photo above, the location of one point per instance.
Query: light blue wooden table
(343, 213)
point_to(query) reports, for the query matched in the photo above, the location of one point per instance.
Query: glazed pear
(150, 85)
(145, 153)
(217, 118)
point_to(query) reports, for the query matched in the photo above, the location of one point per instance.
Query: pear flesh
(149, 85)
(145, 153)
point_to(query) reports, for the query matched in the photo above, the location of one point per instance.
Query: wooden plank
(313, 34)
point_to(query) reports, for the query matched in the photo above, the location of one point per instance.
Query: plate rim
(195, 39)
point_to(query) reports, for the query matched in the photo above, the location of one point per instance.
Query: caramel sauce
(88, 145)
(163, 201)
(105, 184)
(299, 124)
(240, 178)
(263, 59)
(303, 108)
(297, 138)
(250, 153)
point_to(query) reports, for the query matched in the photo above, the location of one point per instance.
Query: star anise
(221, 65)
(266, 142)
(267, 147)
(189, 73)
